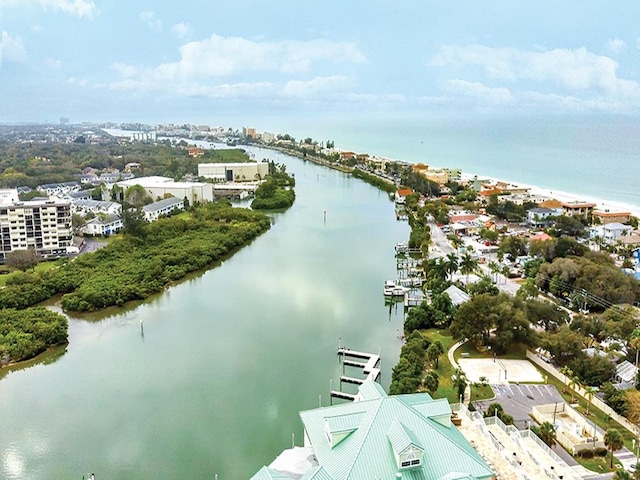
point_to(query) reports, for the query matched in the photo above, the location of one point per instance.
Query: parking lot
(518, 400)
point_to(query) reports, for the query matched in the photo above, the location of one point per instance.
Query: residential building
(59, 189)
(42, 225)
(82, 207)
(9, 196)
(578, 209)
(606, 216)
(160, 187)
(103, 225)
(402, 194)
(379, 436)
(541, 217)
(155, 210)
(195, 152)
(230, 172)
(611, 232)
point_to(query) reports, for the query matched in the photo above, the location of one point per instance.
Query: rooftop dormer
(340, 427)
(406, 447)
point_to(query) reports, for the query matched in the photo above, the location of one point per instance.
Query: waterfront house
(578, 209)
(378, 436)
(402, 194)
(155, 210)
(607, 216)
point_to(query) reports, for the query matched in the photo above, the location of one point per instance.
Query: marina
(370, 368)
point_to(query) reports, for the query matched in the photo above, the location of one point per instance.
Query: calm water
(227, 359)
(596, 156)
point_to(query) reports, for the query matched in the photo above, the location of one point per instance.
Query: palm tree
(568, 373)
(452, 263)
(431, 382)
(468, 265)
(614, 441)
(434, 351)
(634, 342)
(547, 433)
(622, 475)
(494, 268)
(460, 381)
(589, 393)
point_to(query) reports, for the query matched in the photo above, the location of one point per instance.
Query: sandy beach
(602, 204)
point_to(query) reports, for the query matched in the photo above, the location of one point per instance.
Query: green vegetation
(374, 180)
(139, 265)
(35, 163)
(27, 333)
(276, 192)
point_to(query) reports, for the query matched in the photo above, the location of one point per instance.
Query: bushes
(132, 269)
(590, 453)
(26, 333)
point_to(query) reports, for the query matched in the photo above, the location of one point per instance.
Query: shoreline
(564, 196)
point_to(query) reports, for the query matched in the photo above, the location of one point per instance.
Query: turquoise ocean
(591, 157)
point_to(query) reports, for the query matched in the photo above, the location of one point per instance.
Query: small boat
(393, 290)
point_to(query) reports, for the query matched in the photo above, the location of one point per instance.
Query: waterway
(226, 360)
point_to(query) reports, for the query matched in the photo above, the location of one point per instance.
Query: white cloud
(488, 95)
(12, 49)
(181, 30)
(153, 22)
(52, 63)
(318, 85)
(572, 70)
(80, 82)
(616, 45)
(227, 56)
(80, 8)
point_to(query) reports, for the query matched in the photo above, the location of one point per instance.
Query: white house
(538, 217)
(104, 226)
(611, 232)
(162, 207)
(82, 207)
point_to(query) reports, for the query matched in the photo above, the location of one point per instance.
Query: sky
(215, 61)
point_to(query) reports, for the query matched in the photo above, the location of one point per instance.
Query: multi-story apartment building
(42, 225)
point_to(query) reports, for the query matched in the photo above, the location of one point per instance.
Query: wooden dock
(342, 395)
(370, 367)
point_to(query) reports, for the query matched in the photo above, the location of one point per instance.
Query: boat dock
(370, 367)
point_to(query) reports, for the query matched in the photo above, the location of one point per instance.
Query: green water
(227, 359)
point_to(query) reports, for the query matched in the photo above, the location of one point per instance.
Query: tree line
(137, 265)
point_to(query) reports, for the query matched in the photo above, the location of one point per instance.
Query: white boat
(393, 290)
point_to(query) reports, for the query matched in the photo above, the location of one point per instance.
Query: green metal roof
(266, 473)
(371, 391)
(367, 452)
(402, 437)
(344, 423)
(317, 473)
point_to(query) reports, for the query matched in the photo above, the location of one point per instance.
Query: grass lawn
(445, 369)
(518, 352)
(598, 464)
(40, 267)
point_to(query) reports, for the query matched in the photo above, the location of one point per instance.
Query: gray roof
(457, 296)
(160, 204)
(106, 220)
(626, 371)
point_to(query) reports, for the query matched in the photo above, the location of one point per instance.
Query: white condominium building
(42, 225)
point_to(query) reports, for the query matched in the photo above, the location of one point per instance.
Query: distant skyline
(217, 63)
